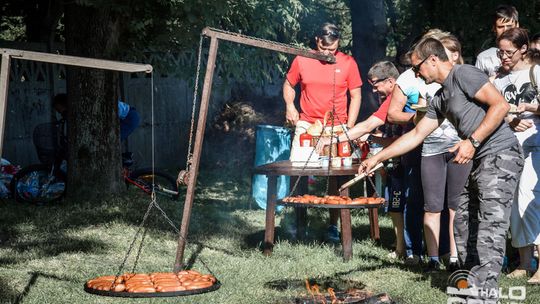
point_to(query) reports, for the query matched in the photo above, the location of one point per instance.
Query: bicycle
(46, 182)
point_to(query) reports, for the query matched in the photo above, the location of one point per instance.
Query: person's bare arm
(354, 106)
(534, 108)
(402, 145)
(395, 110)
(291, 114)
(497, 110)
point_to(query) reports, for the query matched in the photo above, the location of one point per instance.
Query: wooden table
(273, 170)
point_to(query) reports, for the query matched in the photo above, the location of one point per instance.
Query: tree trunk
(94, 162)
(369, 30)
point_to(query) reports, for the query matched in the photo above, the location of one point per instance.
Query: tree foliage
(470, 21)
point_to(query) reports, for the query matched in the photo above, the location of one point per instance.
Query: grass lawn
(48, 252)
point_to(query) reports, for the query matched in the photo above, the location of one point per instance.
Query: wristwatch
(474, 142)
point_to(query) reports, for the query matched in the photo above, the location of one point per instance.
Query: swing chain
(130, 248)
(183, 175)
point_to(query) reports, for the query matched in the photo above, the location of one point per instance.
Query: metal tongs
(359, 177)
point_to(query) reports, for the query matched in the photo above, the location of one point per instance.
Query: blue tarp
(273, 143)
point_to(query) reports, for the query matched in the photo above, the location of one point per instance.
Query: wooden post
(4, 84)
(194, 169)
(270, 224)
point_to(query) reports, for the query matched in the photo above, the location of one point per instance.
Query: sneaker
(394, 255)
(412, 260)
(332, 234)
(433, 266)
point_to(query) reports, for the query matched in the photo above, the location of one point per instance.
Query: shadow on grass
(15, 297)
(44, 228)
(53, 246)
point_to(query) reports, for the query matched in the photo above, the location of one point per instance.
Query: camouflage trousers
(482, 216)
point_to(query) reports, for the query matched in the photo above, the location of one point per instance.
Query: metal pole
(201, 124)
(266, 44)
(4, 84)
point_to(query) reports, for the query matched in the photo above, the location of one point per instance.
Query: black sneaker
(433, 266)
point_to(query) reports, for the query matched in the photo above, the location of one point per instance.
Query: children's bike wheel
(38, 184)
(162, 183)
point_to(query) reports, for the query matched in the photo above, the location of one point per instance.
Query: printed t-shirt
(516, 87)
(455, 102)
(317, 80)
(488, 62)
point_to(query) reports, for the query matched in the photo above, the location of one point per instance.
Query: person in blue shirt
(129, 119)
(128, 115)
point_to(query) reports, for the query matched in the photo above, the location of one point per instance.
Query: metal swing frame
(215, 35)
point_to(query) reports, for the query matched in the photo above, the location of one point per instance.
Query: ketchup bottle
(305, 140)
(365, 151)
(344, 149)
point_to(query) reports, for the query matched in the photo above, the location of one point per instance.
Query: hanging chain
(193, 106)
(373, 185)
(331, 129)
(141, 225)
(183, 175)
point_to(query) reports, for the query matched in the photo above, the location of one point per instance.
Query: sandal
(535, 279)
(518, 273)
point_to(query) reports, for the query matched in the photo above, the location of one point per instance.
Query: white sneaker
(412, 260)
(394, 255)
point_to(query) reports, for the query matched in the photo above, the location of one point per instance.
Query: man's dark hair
(328, 33)
(506, 13)
(430, 46)
(383, 70)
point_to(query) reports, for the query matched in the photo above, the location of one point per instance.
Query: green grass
(48, 252)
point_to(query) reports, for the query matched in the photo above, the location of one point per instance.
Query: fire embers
(331, 296)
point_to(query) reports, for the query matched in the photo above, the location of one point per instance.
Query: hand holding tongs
(359, 177)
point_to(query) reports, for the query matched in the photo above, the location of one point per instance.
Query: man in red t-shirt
(323, 88)
(382, 77)
(324, 85)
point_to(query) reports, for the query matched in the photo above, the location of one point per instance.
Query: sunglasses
(375, 82)
(509, 54)
(416, 68)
